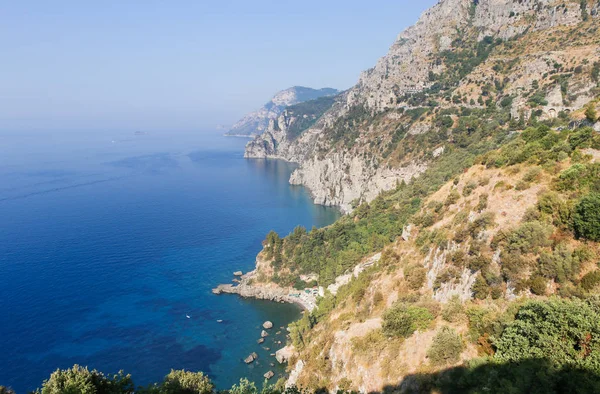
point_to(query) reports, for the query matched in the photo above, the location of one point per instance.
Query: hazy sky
(118, 65)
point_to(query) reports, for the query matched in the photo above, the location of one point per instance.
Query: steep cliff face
(460, 53)
(257, 122)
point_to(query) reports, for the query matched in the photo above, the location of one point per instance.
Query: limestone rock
(269, 375)
(284, 354)
(267, 325)
(264, 334)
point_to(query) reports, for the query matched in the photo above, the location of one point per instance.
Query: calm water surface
(108, 241)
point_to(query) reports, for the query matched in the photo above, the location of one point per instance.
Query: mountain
(534, 58)
(468, 164)
(256, 122)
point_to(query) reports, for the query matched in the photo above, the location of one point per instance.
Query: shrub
(537, 284)
(480, 288)
(586, 218)
(452, 198)
(453, 311)
(402, 320)
(81, 380)
(446, 347)
(564, 332)
(590, 280)
(529, 237)
(590, 113)
(6, 390)
(415, 276)
(483, 202)
(186, 382)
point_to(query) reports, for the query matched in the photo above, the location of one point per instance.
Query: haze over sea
(108, 241)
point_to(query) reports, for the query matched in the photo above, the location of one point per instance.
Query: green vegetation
(402, 320)
(586, 218)
(446, 347)
(306, 115)
(80, 380)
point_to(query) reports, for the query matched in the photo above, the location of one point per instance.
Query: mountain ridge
(257, 121)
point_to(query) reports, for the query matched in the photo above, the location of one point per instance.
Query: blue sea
(109, 239)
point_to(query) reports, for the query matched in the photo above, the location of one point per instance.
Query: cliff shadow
(528, 376)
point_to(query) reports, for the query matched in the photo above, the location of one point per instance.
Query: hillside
(256, 122)
(467, 161)
(527, 59)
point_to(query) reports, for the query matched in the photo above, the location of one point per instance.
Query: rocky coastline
(246, 289)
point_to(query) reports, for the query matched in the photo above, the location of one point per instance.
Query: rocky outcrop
(269, 292)
(340, 179)
(257, 122)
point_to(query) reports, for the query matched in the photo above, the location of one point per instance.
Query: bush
(586, 218)
(446, 347)
(81, 380)
(186, 382)
(590, 113)
(480, 288)
(537, 284)
(565, 332)
(590, 280)
(402, 320)
(453, 311)
(415, 276)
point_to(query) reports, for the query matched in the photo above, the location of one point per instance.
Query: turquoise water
(108, 241)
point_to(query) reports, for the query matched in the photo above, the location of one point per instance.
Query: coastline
(271, 292)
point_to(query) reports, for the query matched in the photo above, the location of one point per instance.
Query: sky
(180, 64)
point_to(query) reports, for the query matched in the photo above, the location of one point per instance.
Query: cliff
(467, 160)
(256, 122)
(459, 54)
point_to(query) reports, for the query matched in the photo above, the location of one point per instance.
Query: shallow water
(108, 241)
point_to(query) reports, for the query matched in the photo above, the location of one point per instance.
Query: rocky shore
(245, 288)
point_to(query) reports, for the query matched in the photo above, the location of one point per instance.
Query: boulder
(269, 375)
(238, 273)
(261, 340)
(249, 359)
(264, 334)
(284, 354)
(267, 325)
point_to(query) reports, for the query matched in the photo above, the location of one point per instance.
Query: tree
(586, 218)
(186, 382)
(590, 113)
(446, 347)
(80, 380)
(565, 332)
(6, 390)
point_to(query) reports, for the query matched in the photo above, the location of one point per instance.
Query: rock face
(256, 122)
(339, 173)
(284, 354)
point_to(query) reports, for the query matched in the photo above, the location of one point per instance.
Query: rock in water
(238, 273)
(264, 334)
(269, 375)
(267, 325)
(253, 354)
(249, 359)
(261, 340)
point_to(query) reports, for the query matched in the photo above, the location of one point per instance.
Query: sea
(110, 244)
